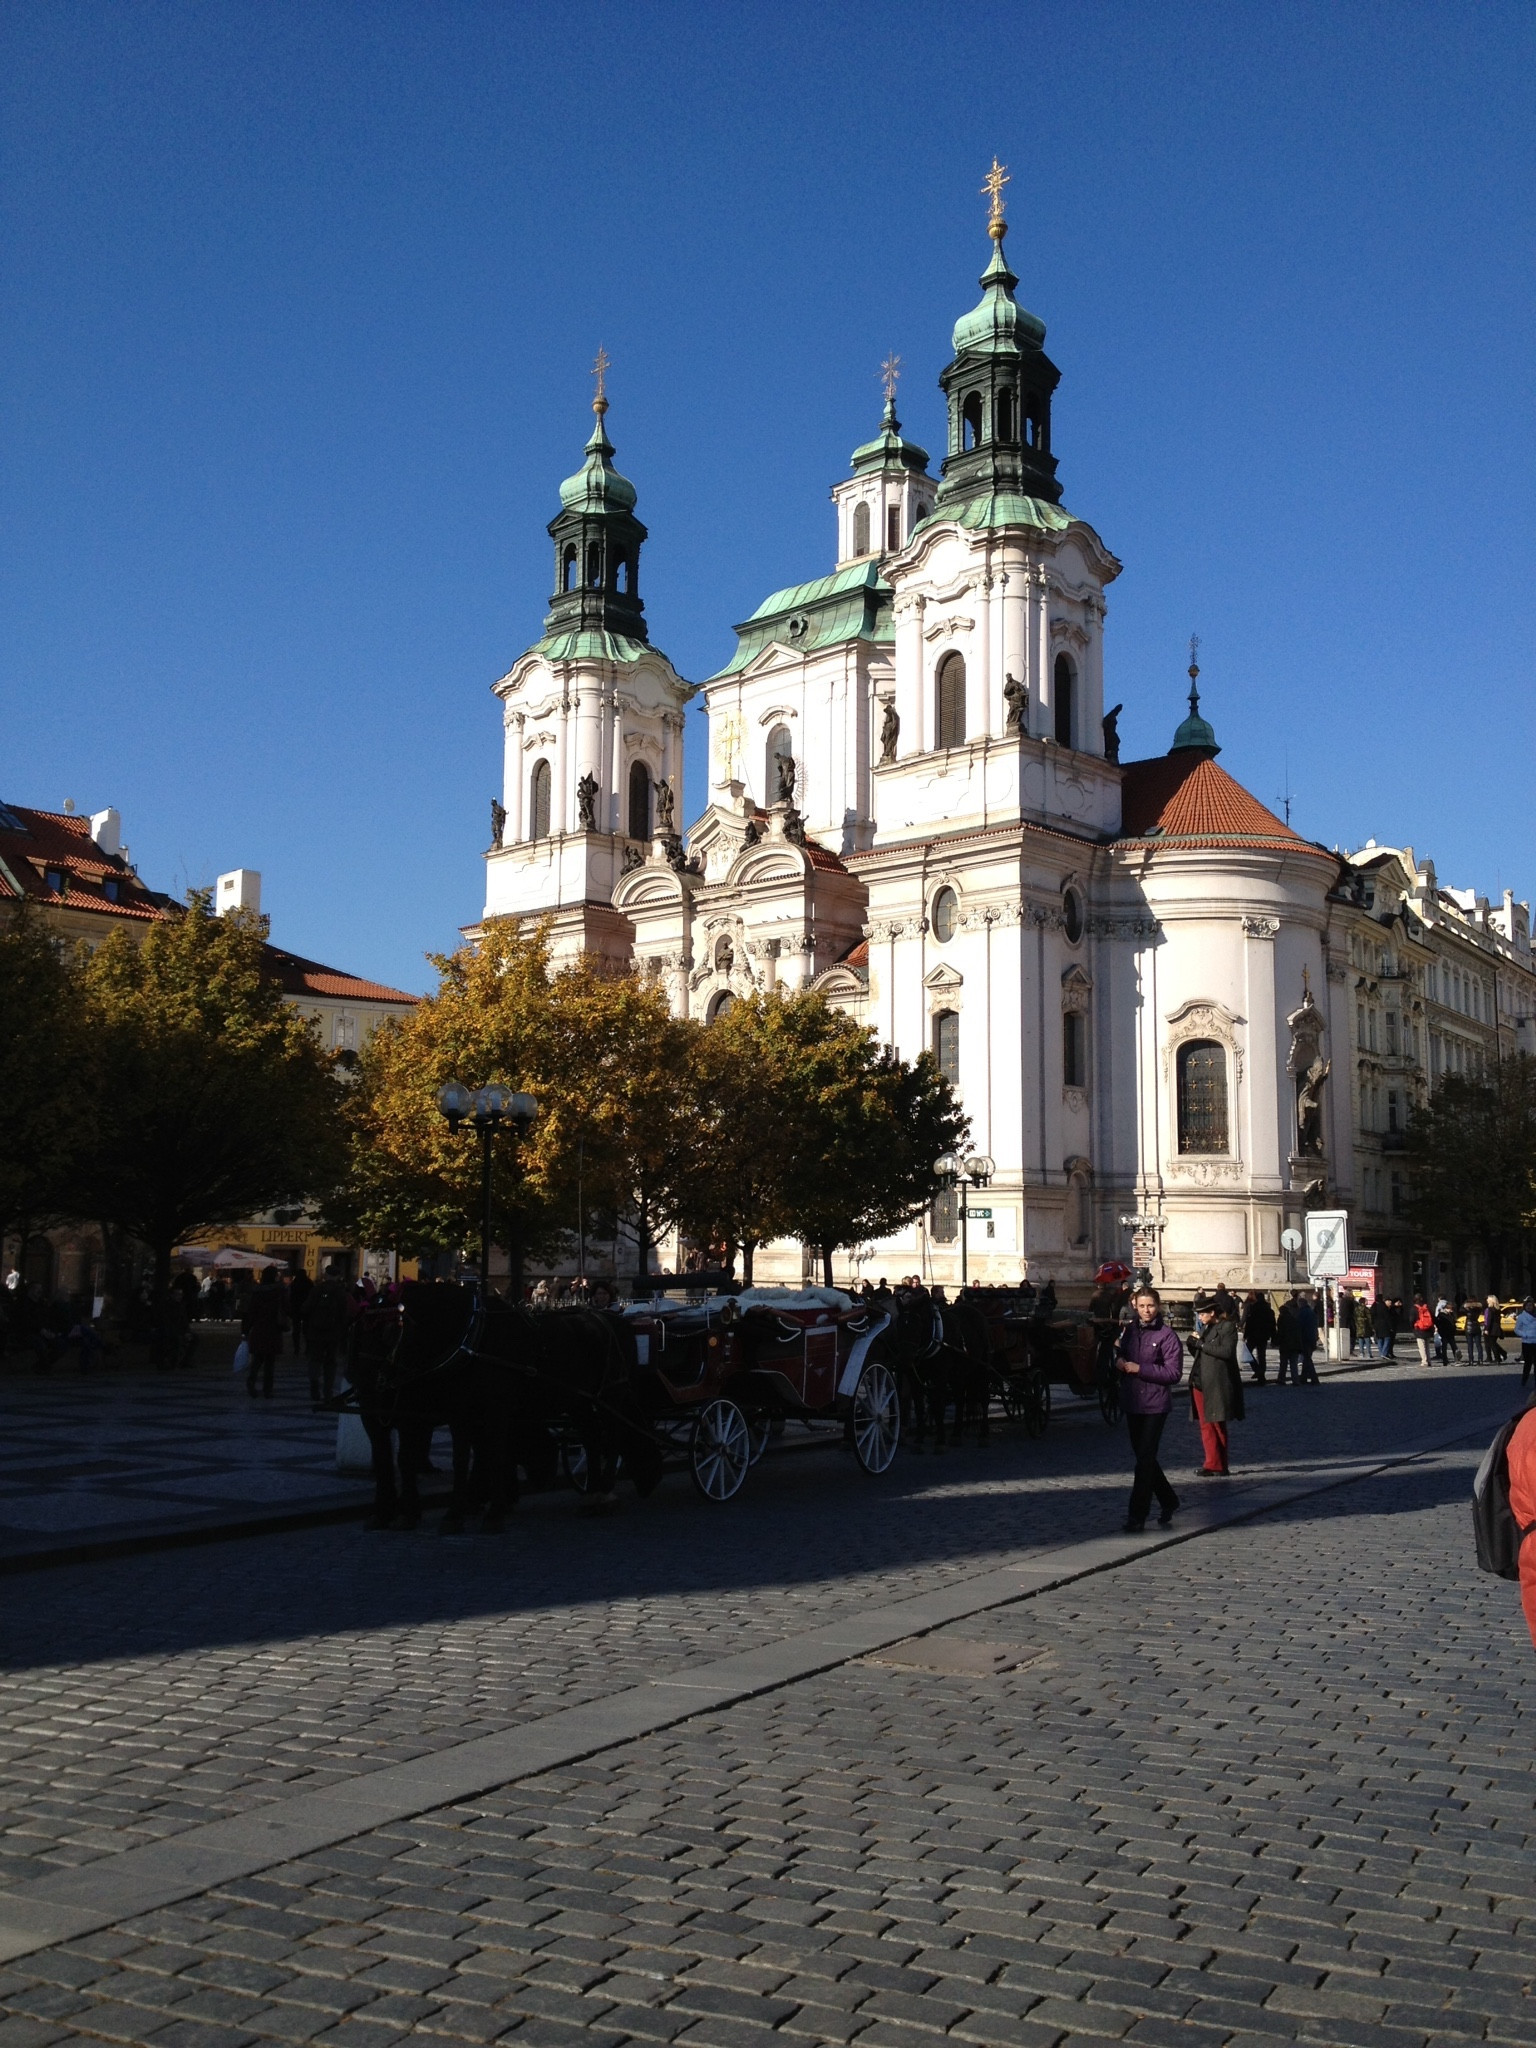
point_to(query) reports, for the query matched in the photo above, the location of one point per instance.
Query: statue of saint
(1112, 733)
(664, 803)
(1016, 697)
(498, 821)
(890, 731)
(586, 802)
(786, 778)
(1309, 1108)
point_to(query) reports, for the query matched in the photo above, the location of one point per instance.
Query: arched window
(779, 749)
(1072, 916)
(949, 703)
(594, 565)
(946, 1045)
(970, 422)
(639, 801)
(568, 568)
(1066, 689)
(538, 801)
(621, 576)
(1202, 1074)
(1005, 415)
(723, 1002)
(861, 529)
(1034, 422)
(946, 914)
(919, 514)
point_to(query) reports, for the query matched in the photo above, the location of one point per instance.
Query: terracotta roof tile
(1184, 796)
(33, 841)
(300, 977)
(824, 858)
(856, 956)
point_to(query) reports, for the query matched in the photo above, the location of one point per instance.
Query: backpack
(1422, 1319)
(1495, 1531)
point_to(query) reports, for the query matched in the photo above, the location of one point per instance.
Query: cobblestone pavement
(125, 1451)
(1271, 1785)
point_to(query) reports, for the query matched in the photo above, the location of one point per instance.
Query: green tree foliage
(210, 1097)
(44, 1080)
(1471, 1156)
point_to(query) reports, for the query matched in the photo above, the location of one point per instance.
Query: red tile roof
(856, 956)
(1185, 798)
(32, 842)
(823, 857)
(301, 977)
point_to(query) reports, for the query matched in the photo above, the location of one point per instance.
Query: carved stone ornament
(544, 737)
(1205, 1172)
(1202, 1020)
(1076, 989)
(586, 802)
(1074, 1099)
(956, 623)
(1125, 928)
(1069, 631)
(1261, 927)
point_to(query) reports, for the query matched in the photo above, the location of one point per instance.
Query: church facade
(917, 807)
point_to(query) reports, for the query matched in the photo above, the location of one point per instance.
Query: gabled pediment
(943, 978)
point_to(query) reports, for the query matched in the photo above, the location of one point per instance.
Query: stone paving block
(18, 2031)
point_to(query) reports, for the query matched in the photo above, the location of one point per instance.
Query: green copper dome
(597, 485)
(998, 323)
(1195, 734)
(890, 450)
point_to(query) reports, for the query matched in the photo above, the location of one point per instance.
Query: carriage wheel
(759, 1431)
(875, 1424)
(721, 1452)
(1109, 1398)
(1035, 1403)
(573, 1463)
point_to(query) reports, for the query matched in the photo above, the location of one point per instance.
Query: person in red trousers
(1215, 1385)
(1522, 1505)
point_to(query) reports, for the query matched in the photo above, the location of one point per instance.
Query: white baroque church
(918, 808)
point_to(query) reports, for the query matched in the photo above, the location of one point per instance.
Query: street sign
(1141, 1222)
(1327, 1243)
(1290, 1240)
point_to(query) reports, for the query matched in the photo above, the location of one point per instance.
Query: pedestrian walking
(1215, 1385)
(1445, 1331)
(325, 1329)
(1423, 1329)
(1525, 1330)
(1258, 1332)
(300, 1288)
(1473, 1316)
(262, 1326)
(1383, 1326)
(1493, 1331)
(1150, 1360)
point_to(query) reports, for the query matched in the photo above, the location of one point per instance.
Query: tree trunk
(826, 1266)
(748, 1253)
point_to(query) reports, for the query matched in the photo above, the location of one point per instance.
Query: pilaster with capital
(515, 777)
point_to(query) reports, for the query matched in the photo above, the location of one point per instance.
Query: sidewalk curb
(69, 1903)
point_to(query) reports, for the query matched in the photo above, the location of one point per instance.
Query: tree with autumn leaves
(781, 1118)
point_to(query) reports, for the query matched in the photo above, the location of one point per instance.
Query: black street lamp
(965, 1174)
(485, 1108)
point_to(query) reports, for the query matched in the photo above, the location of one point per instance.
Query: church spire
(597, 539)
(999, 388)
(1195, 734)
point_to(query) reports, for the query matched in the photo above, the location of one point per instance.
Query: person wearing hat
(1215, 1385)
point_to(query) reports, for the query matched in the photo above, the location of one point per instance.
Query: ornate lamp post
(486, 1108)
(965, 1174)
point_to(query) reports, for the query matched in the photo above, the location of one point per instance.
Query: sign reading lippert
(1327, 1243)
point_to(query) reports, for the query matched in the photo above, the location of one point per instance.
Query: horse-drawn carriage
(646, 1388)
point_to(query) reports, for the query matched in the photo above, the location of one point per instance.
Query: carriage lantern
(965, 1174)
(486, 1108)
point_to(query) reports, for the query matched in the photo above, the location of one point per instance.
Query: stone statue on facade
(586, 802)
(498, 821)
(1111, 724)
(786, 778)
(890, 731)
(1310, 1070)
(664, 803)
(1016, 698)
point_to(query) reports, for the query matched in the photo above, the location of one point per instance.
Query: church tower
(593, 722)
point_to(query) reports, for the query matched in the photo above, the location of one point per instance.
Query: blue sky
(297, 304)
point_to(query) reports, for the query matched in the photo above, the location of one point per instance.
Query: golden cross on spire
(992, 188)
(890, 372)
(600, 367)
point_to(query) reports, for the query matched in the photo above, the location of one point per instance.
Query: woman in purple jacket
(1151, 1360)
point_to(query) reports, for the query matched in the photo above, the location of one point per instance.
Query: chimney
(238, 890)
(107, 831)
